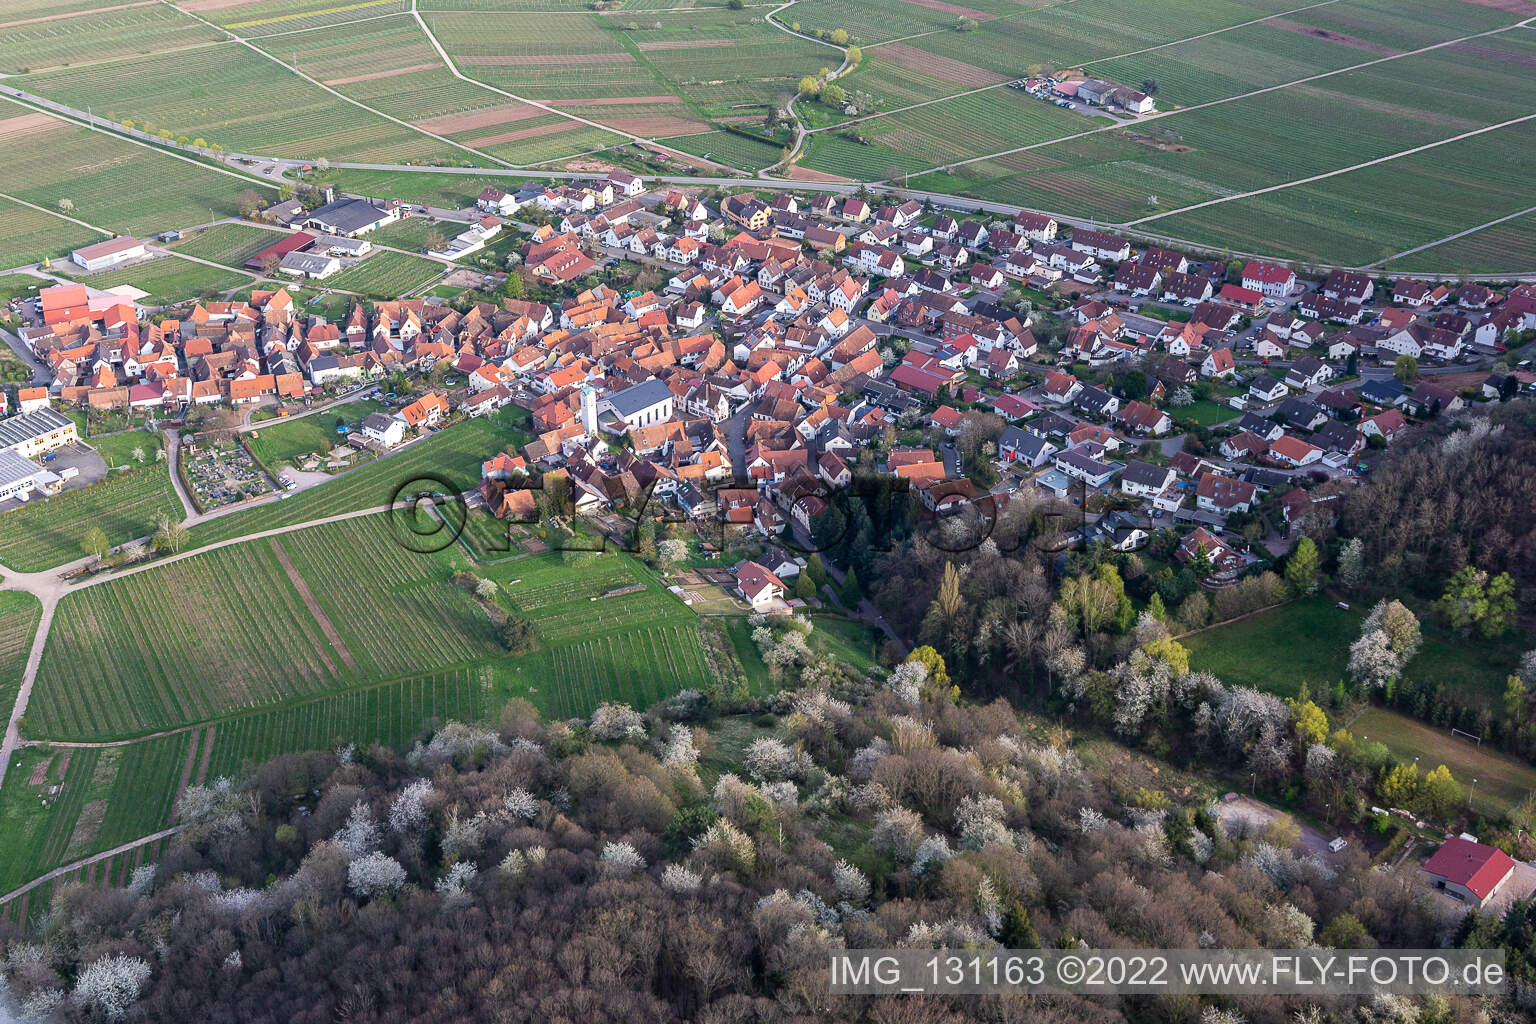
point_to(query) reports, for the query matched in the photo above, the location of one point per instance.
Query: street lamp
(1472, 792)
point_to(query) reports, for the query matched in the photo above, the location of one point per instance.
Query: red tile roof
(1480, 868)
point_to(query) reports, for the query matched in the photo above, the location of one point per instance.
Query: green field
(1205, 412)
(1308, 641)
(31, 236)
(111, 182)
(114, 33)
(385, 274)
(285, 442)
(18, 619)
(48, 532)
(412, 233)
(1502, 781)
(169, 280)
(1489, 251)
(228, 244)
(108, 796)
(730, 148)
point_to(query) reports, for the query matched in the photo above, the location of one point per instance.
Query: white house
(1269, 279)
(383, 429)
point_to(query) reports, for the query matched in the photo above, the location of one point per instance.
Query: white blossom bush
(782, 795)
(234, 961)
(898, 833)
(235, 901)
(361, 835)
(906, 682)
(680, 880)
(820, 707)
(617, 722)
(521, 804)
(1090, 821)
(1201, 847)
(732, 796)
(514, 864)
(453, 884)
(218, 808)
(933, 850)
(408, 812)
(680, 751)
(463, 835)
(990, 906)
(949, 934)
(112, 984)
(42, 1004)
(619, 860)
(485, 590)
(671, 551)
(850, 883)
(142, 880)
(456, 743)
(727, 846)
(768, 759)
(862, 765)
(375, 874)
(871, 796)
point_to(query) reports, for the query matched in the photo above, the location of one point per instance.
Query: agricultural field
(175, 645)
(168, 280)
(543, 56)
(285, 442)
(18, 619)
(31, 236)
(448, 191)
(455, 453)
(413, 233)
(385, 274)
(228, 244)
(1502, 781)
(105, 797)
(637, 667)
(1489, 251)
(28, 45)
(48, 532)
(729, 148)
(292, 118)
(253, 20)
(111, 182)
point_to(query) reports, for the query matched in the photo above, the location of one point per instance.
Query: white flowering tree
(408, 813)
(375, 874)
(112, 984)
(361, 834)
(617, 722)
(620, 860)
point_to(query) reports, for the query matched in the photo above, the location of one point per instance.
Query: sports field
(1502, 781)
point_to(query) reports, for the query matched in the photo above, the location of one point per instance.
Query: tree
(517, 634)
(1309, 720)
(1514, 700)
(1165, 648)
(805, 587)
(1201, 565)
(816, 570)
(1301, 568)
(435, 239)
(967, 25)
(197, 143)
(855, 55)
(1473, 600)
(1352, 563)
(515, 288)
(248, 202)
(736, 5)
(1399, 785)
(112, 983)
(95, 542)
(170, 535)
(66, 205)
(850, 594)
(1440, 793)
(1406, 369)
(937, 684)
(839, 37)
(1149, 86)
(834, 95)
(270, 265)
(809, 86)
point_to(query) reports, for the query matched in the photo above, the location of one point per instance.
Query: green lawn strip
(284, 442)
(167, 280)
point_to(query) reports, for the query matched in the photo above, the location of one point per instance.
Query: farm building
(310, 265)
(20, 477)
(352, 217)
(1110, 94)
(296, 242)
(33, 433)
(109, 253)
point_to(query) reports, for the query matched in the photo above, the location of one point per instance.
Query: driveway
(1244, 813)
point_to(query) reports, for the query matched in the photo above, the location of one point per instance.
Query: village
(795, 341)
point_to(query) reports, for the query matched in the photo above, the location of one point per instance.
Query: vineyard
(126, 31)
(169, 280)
(385, 274)
(392, 715)
(243, 101)
(105, 796)
(228, 244)
(29, 235)
(729, 148)
(111, 183)
(636, 666)
(18, 620)
(1491, 250)
(48, 532)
